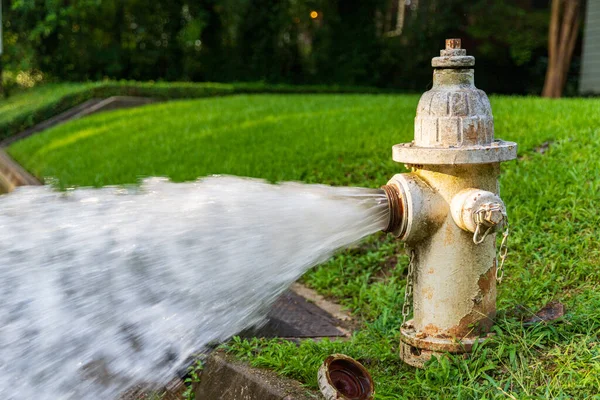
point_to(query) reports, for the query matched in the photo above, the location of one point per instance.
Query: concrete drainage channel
(89, 107)
(13, 175)
(293, 317)
(299, 314)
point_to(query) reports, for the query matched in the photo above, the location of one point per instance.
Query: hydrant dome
(454, 122)
(454, 116)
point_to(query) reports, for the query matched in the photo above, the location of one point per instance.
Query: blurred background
(520, 45)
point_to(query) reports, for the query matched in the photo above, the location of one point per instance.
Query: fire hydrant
(447, 210)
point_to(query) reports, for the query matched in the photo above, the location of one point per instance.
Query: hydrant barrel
(454, 156)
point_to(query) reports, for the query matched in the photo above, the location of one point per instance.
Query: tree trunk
(400, 12)
(562, 37)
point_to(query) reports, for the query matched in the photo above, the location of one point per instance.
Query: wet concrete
(12, 174)
(293, 317)
(225, 378)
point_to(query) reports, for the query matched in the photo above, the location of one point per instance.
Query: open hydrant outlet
(447, 210)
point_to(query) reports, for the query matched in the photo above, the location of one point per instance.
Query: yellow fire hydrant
(447, 210)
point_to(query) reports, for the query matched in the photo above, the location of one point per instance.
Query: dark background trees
(384, 43)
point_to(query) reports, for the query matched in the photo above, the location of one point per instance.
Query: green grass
(23, 104)
(311, 138)
(27, 108)
(552, 198)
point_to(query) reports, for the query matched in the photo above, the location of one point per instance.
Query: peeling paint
(427, 293)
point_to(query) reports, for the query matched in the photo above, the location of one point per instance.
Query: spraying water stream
(101, 289)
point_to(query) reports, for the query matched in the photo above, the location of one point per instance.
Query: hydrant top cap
(453, 56)
(454, 123)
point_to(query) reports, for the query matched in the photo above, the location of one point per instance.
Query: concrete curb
(225, 378)
(89, 107)
(12, 174)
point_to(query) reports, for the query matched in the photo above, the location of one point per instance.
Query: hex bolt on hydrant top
(448, 213)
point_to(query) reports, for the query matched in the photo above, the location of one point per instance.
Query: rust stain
(487, 288)
(470, 325)
(481, 318)
(487, 279)
(427, 293)
(431, 329)
(431, 271)
(449, 235)
(453, 44)
(471, 134)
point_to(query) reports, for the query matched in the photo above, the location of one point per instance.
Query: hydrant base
(416, 351)
(416, 357)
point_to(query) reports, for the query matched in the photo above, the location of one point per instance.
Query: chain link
(503, 253)
(408, 290)
(483, 220)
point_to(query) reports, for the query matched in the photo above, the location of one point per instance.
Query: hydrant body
(450, 212)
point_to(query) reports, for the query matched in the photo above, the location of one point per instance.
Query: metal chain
(476, 238)
(482, 218)
(408, 290)
(486, 224)
(503, 253)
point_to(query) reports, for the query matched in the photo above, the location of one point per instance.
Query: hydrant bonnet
(454, 122)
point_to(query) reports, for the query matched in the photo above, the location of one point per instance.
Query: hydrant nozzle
(447, 210)
(396, 207)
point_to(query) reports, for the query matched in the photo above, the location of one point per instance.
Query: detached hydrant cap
(343, 378)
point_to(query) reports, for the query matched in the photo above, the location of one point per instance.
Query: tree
(562, 36)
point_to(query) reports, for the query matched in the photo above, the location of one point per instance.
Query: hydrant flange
(412, 154)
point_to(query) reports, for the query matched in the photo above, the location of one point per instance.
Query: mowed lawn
(552, 193)
(336, 139)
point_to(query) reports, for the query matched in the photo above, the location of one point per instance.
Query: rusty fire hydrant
(447, 210)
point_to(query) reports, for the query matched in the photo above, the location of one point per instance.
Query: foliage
(275, 41)
(512, 43)
(552, 192)
(192, 379)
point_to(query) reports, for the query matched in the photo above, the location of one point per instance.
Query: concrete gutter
(225, 378)
(13, 175)
(89, 107)
(294, 318)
